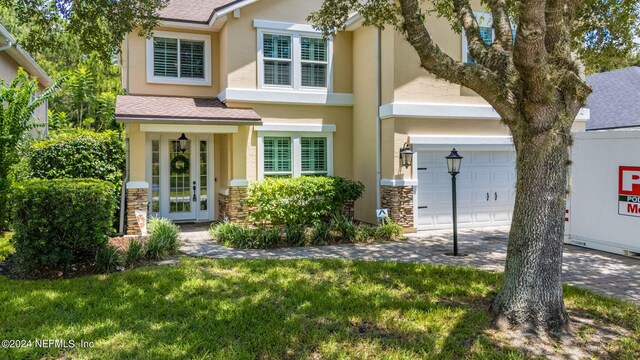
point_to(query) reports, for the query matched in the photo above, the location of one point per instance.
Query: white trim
(152, 79)
(209, 129)
(394, 182)
(354, 22)
(449, 111)
(180, 122)
(296, 32)
(454, 140)
(623, 133)
(280, 25)
(185, 25)
(24, 59)
(137, 185)
(224, 191)
(297, 127)
(272, 96)
(239, 182)
(229, 9)
(296, 148)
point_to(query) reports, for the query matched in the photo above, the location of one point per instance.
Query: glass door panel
(180, 178)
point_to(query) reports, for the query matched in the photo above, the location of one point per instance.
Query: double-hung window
(294, 155)
(292, 59)
(175, 58)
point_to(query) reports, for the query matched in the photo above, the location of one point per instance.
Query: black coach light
(406, 156)
(453, 162)
(183, 142)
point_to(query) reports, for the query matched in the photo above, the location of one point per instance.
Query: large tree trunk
(531, 295)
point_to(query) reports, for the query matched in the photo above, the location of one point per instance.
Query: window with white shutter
(314, 155)
(277, 157)
(294, 60)
(176, 58)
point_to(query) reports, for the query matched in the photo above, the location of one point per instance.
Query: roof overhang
(17, 53)
(184, 121)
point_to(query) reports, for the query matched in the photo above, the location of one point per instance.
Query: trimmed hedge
(80, 154)
(300, 201)
(338, 231)
(60, 222)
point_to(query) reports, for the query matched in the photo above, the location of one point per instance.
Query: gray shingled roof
(199, 11)
(615, 101)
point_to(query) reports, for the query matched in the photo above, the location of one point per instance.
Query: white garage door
(486, 189)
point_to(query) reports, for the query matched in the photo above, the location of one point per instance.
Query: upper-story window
(485, 21)
(177, 58)
(293, 56)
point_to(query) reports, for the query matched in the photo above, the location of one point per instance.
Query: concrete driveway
(601, 272)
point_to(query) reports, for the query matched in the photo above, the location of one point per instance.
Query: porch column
(137, 199)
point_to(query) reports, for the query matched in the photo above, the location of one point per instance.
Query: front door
(180, 178)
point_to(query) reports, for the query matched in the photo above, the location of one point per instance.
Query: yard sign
(629, 191)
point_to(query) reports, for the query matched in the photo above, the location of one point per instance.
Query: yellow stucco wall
(241, 58)
(135, 69)
(137, 153)
(8, 70)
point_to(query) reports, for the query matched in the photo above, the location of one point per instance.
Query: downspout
(378, 120)
(123, 191)
(7, 47)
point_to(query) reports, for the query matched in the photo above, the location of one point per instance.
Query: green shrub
(366, 233)
(263, 238)
(135, 252)
(163, 239)
(107, 259)
(230, 234)
(80, 154)
(389, 231)
(60, 222)
(344, 229)
(320, 233)
(295, 235)
(300, 201)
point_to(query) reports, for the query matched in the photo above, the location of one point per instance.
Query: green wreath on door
(180, 159)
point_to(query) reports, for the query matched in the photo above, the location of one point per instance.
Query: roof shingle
(615, 101)
(129, 107)
(192, 10)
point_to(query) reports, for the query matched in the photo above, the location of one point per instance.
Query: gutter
(7, 47)
(45, 80)
(378, 120)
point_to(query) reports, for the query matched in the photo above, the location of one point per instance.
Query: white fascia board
(285, 97)
(438, 111)
(185, 25)
(459, 140)
(279, 25)
(449, 111)
(137, 185)
(200, 129)
(620, 134)
(394, 182)
(239, 182)
(323, 128)
(24, 59)
(229, 9)
(354, 22)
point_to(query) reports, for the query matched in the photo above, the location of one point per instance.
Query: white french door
(181, 181)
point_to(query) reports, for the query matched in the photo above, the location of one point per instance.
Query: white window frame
(296, 32)
(296, 150)
(484, 20)
(153, 79)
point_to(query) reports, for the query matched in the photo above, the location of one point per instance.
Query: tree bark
(531, 296)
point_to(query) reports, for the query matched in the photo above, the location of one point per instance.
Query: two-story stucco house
(13, 57)
(254, 91)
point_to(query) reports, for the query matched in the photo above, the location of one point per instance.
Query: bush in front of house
(163, 239)
(339, 230)
(60, 222)
(300, 201)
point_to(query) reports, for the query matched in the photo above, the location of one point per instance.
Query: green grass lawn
(5, 246)
(257, 309)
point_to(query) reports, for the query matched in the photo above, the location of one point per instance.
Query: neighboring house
(13, 57)
(615, 101)
(257, 92)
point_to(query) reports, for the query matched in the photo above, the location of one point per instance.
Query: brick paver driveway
(598, 271)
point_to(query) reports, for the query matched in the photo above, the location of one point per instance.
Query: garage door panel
(482, 173)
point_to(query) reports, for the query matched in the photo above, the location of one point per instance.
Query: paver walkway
(595, 270)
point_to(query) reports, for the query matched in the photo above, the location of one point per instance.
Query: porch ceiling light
(406, 156)
(183, 142)
(453, 162)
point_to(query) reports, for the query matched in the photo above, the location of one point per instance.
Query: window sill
(179, 81)
(276, 96)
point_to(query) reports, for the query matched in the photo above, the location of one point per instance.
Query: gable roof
(195, 11)
(615, 101)
(19, 55)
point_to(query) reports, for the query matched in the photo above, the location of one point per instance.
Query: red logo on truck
(629, 191)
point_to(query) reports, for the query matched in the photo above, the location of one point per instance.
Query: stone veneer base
(136, 200)
(399, 201)
(232, 206)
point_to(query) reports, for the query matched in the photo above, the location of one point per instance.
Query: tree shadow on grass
(255, 309)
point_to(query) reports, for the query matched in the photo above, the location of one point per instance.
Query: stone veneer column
(137, 199)
(232, 205)
(399, 201)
